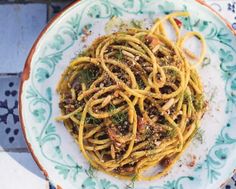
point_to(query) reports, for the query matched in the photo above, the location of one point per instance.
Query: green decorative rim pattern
(37, 97)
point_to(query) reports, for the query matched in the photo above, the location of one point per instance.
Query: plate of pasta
(132, 94)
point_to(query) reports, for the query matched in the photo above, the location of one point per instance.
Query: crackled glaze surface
(55, 149)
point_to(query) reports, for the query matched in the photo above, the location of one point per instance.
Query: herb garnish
(136, 24)
(84, 53)
(198, 102)
(87, 75)
(206, 62)
(199, 135)
(171, 133)
(92, 120)
(119, 55)
(118, 118)
(131, 184)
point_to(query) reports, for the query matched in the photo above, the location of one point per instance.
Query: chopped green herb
(213, 94)
(119, 55)
(131, 184)
(171, 133)
(186, 97)
(111, 107)
(198, 102)
(134, 178)
(78, 115)
(92, 120)
(136, 24)
(118, 118)
(206, 62)
(84, 53)
(88, 75)
(198, 135)
(168, 133)
(142, 38)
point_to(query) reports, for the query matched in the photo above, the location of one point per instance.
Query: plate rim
(27, 68)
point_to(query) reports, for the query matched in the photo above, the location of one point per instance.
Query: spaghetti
(133, 100)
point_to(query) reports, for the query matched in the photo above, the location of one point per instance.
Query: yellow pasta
(134, 101)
